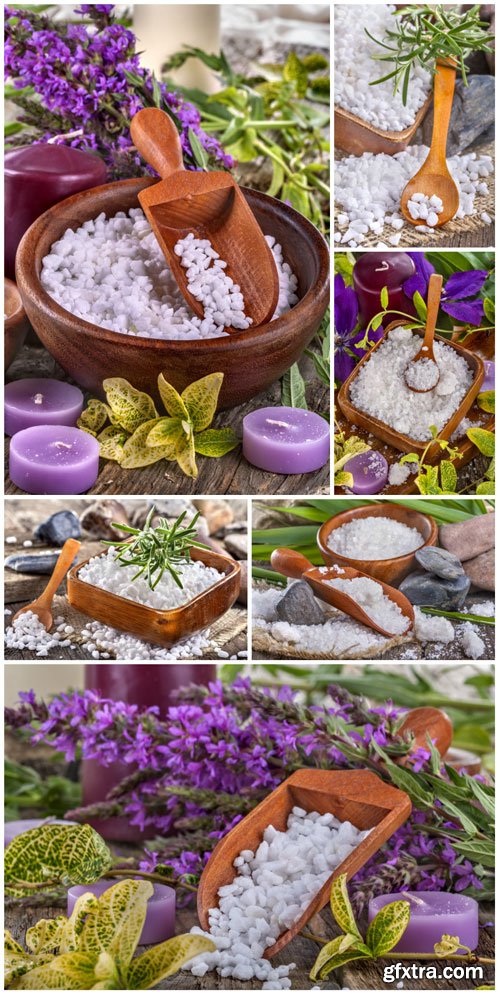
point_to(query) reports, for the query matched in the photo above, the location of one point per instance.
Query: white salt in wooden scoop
(426, 352)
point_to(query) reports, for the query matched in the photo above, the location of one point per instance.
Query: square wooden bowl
(357, 795)
(355, 136)
(154, 626)
(389, 435)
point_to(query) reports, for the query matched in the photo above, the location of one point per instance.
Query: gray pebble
(422, 588)
(59, 527)
(299, 606)
(440, 562)
(33, 563)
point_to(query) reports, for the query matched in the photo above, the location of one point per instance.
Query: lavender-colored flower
(455, 293)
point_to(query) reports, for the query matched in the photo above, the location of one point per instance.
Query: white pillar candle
(163, 29)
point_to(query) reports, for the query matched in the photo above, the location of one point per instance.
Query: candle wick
(63, 445)
(273, 421)
(411, 898)
(38, 398)
(62, 138)
(383, 267)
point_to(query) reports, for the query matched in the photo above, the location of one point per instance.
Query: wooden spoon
(211, 205)
(426, 721)
(293, 564)
(427, 349)
(42, 605)
(434, 176)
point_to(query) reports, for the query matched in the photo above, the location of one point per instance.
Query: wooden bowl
(355, 136)
(357, 795)
(162, 627)
(389, 435)
(391, 571)
(16, 324)
(251, 360)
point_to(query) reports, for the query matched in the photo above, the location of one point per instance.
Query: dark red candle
(375, 270)
(36, 178)
(142, 684)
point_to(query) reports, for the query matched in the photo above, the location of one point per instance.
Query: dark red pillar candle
(375, 270)
(36, 178)
(142, 684)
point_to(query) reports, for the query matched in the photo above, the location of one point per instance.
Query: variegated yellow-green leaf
(137, 453)
(111, 442)
(185, 456)
(447, 945)
(201, 399)
(448, 476)
(166, 959)
(16, 961)
(55, 853)
(339, 951)
(386, 930)
(167, 433)
(216, 441)
(130, 407)
(107, 973)
(69, 972)
(11, 946)
(484, 440)
(45, 937)
(70, 938)
(344, 479)
(486, 401)
(341, 906)
(94, 417)
(174, 405)
(115, 925)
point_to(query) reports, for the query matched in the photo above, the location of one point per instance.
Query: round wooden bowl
(16, 324)
(251, 360)
(390, 571)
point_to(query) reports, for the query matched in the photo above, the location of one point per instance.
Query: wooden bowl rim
(30, 280)
(167, 614)
(391, 136)
(19, 314)
(468, 399)
(383, 510)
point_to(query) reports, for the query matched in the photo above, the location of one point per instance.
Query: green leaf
(294, 71)
(409, 782)
(486, 487)
(339, 951)
(448, 476)
(216, 442)
(151, 967)
(384, 298)
(156, 92)
(200, 399)
(94, 417)
(420, 306)
(293, 389)
(447, 945)
(458, 812)
(489, 310)
(167, 434)
(185, 456)
(69, 972)
(130, 407)
(478, 851)
(45, 936)
(173, 402)
(136, 451)
(55, 853)
(484, 440)
(111, 442)
(486, 401)
(277, 180)
(341, 906)
(70, 937)
(343, 479)
(199, 154)
(470, 736)
(387, 928)
(115, 924)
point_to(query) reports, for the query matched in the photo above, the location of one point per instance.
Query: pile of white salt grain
(369, 595)
(374, 538)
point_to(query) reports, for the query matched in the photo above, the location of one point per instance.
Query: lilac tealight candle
(160, 916)
(432, 913)
(40, 402)
(489, 375)
(370, 472)
(53, 459)
(286, 440)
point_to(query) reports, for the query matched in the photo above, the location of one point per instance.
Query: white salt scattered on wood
(374, 538)
(472, 644)
(398, 474)
(485, 608)
(433, 628)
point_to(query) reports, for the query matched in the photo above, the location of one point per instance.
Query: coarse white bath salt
(356, 67)
(27, 632)
(374, 538)
(379, 388)
(432, 628)
(112, 575)
(272, 887)
(422, 207)
(422, 375)
(369, 595)
(112, 272)
(472, 644)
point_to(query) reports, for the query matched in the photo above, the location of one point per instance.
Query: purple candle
(375, 270)
(13, 829)
(36, 178)
(286, 440)
(489, 375)
(160, 916)
(432, 913)
(53, 459)
(40, 402)
(370, 471)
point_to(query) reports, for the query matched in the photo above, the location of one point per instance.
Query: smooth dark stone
(473, 112)
(299, 606)
(59, 527)
(98, 518)
(422, 588)
(33, 563)
(440, 562)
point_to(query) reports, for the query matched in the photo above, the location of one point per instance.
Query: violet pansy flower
(347, 334)
(456, 293)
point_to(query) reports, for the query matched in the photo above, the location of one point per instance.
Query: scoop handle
(433, 302)
(155, 136)
(66, 557)
(290, 563)
(444, 89)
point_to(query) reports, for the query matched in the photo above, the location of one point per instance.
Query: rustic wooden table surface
(231, 474)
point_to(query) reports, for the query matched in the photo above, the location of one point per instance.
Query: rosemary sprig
(159, 549)
(426, 33)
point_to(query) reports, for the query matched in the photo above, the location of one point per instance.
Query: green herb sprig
(159, 549)
(426, 33)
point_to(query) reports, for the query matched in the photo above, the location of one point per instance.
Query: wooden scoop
(42, 606)
(427, 349)
(293, 564)
(210, 205)
(434, 176)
